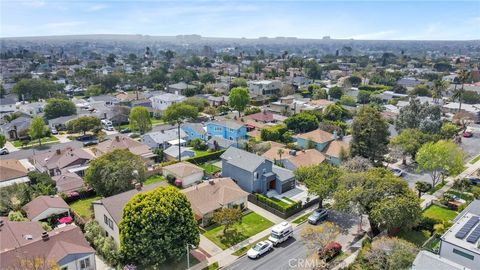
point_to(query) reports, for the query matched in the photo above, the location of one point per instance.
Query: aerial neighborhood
(192, 153)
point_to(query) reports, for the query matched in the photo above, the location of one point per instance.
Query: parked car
(397, 172)
(90, 143)
(318, 215)
(53, 131)
(125, 130)
(280, 233)
(259, 249)
(223, 113)
(474, 180)
(467, 134)
(88, 140)
(4, 151)
(329, 252)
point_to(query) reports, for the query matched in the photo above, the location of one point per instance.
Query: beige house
(215, 194)
(67, 159)
(108, 211)
(44, 207)
(187, 172)
(12, 172)
(123, 142)
(292, 159)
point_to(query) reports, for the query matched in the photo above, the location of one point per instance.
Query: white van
(107, 124)
(281, 232)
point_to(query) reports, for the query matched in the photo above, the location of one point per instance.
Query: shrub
(274, 204)
(16, 216)
(171, 178)
(426, 223)
(104, 246)
(251, 110)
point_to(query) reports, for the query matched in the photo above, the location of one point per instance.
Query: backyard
(252, 223)
(154, 179)
(439, 213)
(83, 207)
(209, 168)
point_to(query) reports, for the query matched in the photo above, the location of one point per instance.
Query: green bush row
(272, 203)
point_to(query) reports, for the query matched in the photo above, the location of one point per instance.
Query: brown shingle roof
(334, 148)
(68, 182)
(114, 204)
(207, 197)
(262, 116)
(307, 158)
(14, 245)
(318, 136)
(42, 203)
(11, 169)
(183, 169)
(62, 158)
(123, 142)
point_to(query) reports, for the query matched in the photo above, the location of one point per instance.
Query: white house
(44, 207)
(187, 172)
(264, 87)
(161, 102)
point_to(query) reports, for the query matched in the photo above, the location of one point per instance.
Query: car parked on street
(467, 134)
(474, 180)
(88, 140)
(280, 233)
(125, 130)
(4, 151)
(329, 252)
(259, 249)
(317, 216)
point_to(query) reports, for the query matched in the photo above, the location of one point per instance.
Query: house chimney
(45, 236)
(211, 182)
(138, 186)
(117, 138)
(58, 151)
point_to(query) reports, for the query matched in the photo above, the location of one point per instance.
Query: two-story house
(264, 87)
(255, 173)
(228, 130)
(195, 131)
(161, 102)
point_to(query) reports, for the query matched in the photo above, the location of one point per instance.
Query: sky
(358, 19)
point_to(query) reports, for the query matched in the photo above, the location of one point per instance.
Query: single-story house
(27, 240)
(195, 131)
(11, 130)
(208, 197)
(68, 182)
(317, 138)
(335, 150)
(109, 211)
(7, 104)
(124, 142)
(44, 207)
(171, 153)
(220, 143)
(263, 117)
(164, 139)
(12, 172)
(61, 160)
(187, 172)
(255, 173)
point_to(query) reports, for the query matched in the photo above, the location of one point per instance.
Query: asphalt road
(292, 253)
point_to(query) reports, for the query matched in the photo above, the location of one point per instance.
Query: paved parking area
(471, 145)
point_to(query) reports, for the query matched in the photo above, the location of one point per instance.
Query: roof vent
(211, 182)
(28, 237)
(45, 236)
(58, 151)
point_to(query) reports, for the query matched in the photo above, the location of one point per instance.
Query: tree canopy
(37, 129)
(178, 112)
(140, 121)
(84, 124)
(115, 172)
(157, 226)
(302, 122)
(57, 107)
(421, 116)
(239, 99)
(31, 89)
(320, 179)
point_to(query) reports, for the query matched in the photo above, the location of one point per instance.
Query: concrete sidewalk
(10, 147)
(208, 246)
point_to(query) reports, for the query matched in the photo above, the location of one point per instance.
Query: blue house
(254, 173)
(195, 131)
(317, 139)
(229, 130)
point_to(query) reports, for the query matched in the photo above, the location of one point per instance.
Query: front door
(271, 185)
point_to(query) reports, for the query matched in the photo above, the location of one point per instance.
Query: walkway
(10, 147)
(208, 246)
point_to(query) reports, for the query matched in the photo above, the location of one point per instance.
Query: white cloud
(96, 7)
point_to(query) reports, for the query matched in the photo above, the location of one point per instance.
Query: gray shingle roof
(197, 127)
(282, 173)
(242, 159)
(173, 151)
(165, 136)
(228, 124)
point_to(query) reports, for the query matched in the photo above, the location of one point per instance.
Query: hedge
(272, 203)
(373, 88)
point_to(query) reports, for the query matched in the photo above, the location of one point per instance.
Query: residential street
(291, 254)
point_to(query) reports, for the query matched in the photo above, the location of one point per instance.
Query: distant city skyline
(375, 20)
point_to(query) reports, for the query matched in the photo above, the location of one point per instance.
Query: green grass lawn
(213, 266)
(83, 208)
(244, 249)
(199, 153)
(280, 202)
(301, 219)
(154, 179)
(156, 122)
(415, 237)
(210, 168)
(477, 158)
(439, 213)
(252, 223)
(437, 187)
(45, 140)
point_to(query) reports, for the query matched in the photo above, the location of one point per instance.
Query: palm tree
(439, 87)
(280, 153)
(463, 77)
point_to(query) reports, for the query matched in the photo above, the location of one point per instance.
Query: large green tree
(409, 141)
(157, 226)
(84, 124)
(369, 135)
(321, 180)
(30, 89)
(302, 122)
(57, 107)
(419, 115)
(239, 99)
(388, 253)
(440, 158)
(176, 114)
(386, 199)
(37, 129)
(115, 172)
(140, 121)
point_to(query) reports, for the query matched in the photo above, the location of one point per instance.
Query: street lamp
(188, 254)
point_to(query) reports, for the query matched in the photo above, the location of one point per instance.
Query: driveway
(291, 254)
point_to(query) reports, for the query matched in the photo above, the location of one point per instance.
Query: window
(463, 254)
(85, 263)
(110, 224)
(105, 219)
(108, 221)
(65, 268)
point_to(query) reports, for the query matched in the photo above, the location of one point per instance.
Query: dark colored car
(467, 134)
(329, 252)
(125, 130)
(87, 140)
(474, 180)
(318, 215)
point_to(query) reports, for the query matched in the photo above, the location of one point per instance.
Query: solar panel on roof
(473, 237)
(467, 227)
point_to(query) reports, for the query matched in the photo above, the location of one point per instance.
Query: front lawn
(415, 237)
(252, 223)
(439, 213)
(83, 207)
(477, 158)
(156, 122)
(210, 168)
(154, 179)
(45, 140)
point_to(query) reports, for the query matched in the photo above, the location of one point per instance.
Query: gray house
(254, 173)
(164, 139)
